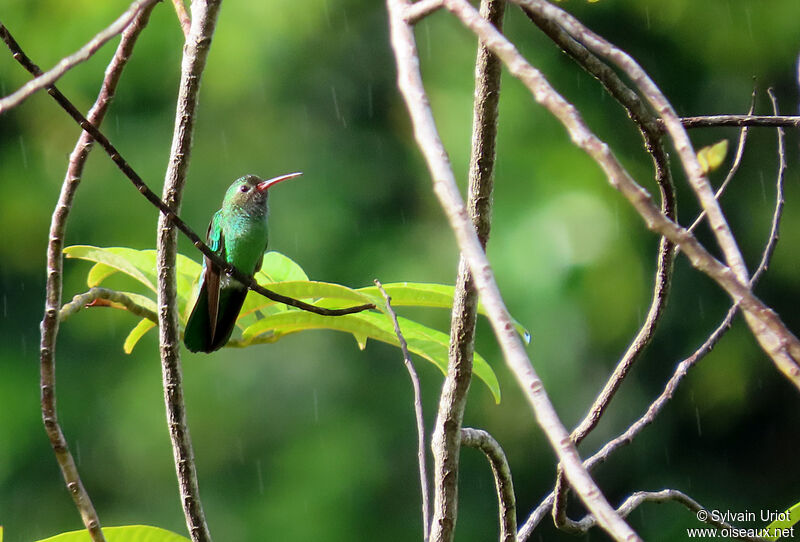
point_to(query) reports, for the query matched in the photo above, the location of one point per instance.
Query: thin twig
(195, 53)
(446, 439)
(682, 369)
(711, 121)
(55, 267)
(82, 300)
(410, 84)
(737, 160)
(507, 503)
(412, 373)
(183, 17)
(151, 196)
(64, 65)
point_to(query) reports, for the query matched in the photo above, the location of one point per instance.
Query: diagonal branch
(412, 373)
(151, 196)
(55, 267)
(446, 439)
(682, 369)
(46, 79)
(507, 503)
(195, 53)
(410, 84)
(767, 327)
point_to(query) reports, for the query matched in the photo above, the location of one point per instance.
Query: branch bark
(507, 503)
(55, 267)
(195, 54)
(446, 439)
(444, 185)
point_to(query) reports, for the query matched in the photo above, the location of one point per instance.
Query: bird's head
(250, 192)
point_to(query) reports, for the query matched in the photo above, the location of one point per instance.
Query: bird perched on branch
(238, 233)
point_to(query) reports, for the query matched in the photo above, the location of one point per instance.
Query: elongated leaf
(127, 260)
(275, 267)
(426, 342)
(786, 520)
(423, 294)
(137, 333)
(128, 533)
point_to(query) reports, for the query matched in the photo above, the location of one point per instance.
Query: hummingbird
(238, 233)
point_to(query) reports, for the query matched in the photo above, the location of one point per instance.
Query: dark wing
(211, 275)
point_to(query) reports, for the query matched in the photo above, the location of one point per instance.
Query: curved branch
(483, 441)
(46, 79)
(55, 268)
(446, 438)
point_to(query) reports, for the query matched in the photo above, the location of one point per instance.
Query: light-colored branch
(55, 267)
(446, 439)
(665, 495)
(195, 53)
(183, 17)
(772, 334)
(507, 504)
(82, 300)
(682, 369)
(412, 373)
(64, 65)
(768, 329)
(417, 11)
(444, 185)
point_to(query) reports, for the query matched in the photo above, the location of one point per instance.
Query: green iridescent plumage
(238, 233)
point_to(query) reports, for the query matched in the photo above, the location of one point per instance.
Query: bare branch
(419, 10)
(183, 17)
(412, 89)
(412, 373)
(195, 53)
(665, 495)
(84, 53)
(446, 439)
(483, 441)
(712, 121)
(55, 267)
(87, 298)
(151, 196)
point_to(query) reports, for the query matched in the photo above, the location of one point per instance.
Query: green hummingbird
(238, 233)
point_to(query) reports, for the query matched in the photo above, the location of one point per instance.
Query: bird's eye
(244, 188)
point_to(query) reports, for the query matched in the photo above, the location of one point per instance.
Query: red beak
(264, 185)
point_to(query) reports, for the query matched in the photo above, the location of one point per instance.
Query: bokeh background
(310, 438)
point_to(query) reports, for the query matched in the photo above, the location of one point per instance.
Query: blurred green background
(310, 438)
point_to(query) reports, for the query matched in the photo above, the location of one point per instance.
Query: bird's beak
(264, 185)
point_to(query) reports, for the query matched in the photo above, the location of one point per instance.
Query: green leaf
(137, 333)
(423, 294)
(328, 295)
(128, 533)
(275, 267)
(786, 521)
(429, 343)
(129, 261)
(711, 157)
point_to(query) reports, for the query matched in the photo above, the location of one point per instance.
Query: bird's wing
(211, 277)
